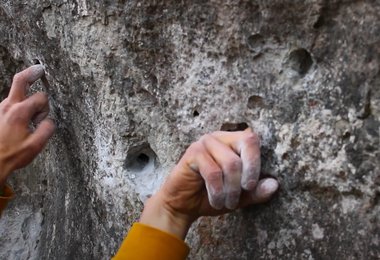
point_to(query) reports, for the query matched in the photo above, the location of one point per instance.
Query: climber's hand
(19, 144)
(217, 174)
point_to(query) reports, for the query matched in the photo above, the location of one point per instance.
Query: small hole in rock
(299, 60)
(36, 61)
(285, 156)
(319, 23)
(195, 113)
(346, 135)
(232, 127)
(255, 42)
(255, 102)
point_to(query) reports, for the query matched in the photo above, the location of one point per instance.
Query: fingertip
(270, 185)
(216, 204)
(232, 203)
(216, 199)
(38, 68)
(266, 187)
(23, 80)
(36, 72)
(51, 123)
(47, 126)
(248, 130)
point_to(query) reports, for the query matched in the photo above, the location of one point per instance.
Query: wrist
(158, 215)
(4, 173)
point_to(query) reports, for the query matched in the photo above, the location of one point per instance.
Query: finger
(231, 166)
(211, 173)
(23, 80)
(41, 135)
(37, 107)
(264, 191)
(250, 156)
(247, 145)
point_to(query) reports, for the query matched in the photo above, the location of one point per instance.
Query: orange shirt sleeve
(144, 243)
(6, 196)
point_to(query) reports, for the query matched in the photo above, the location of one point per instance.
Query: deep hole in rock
(142, 159)
(300, 61)
(195, 113)
(231, 127)
(139, 158)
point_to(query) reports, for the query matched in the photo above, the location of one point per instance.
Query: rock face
(132, 83)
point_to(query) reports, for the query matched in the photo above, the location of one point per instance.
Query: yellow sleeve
(6, 196)
(144, 243)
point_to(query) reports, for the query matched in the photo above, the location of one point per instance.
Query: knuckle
(5, 105)
(214, 177)
(33, 147)
(16, 111)
(43, 96)
(195, 148)
(233, 165)
(205, 137)
(40, 101)
(18, 77)
(252, 138)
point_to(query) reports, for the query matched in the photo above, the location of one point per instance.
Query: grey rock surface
(132, 83)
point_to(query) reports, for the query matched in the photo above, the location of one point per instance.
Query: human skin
(216, 175)
(19, 145)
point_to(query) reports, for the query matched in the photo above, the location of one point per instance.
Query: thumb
(263, 192)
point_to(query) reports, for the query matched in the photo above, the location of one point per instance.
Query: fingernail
(36, 72)
(269, 186)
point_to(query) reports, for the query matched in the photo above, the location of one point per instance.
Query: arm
(18, 144)
(216, 175)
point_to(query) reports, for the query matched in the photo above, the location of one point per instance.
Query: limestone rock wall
(132, 83)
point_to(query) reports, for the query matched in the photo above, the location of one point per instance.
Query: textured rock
(134, 82)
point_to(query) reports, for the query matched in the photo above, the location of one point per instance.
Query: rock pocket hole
(232, 127)
(195, 113)
(300, 61)
(319, 23)
(36, 61)
(255, 102)
(139, 158)
(255, 42)
(346, 136)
